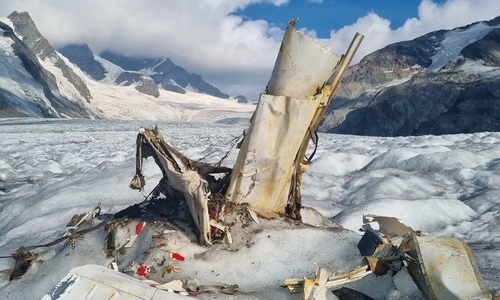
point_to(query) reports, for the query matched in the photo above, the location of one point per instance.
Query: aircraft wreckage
(264, 182)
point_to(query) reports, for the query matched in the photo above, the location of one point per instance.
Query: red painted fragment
(177, 256)
(143, 270)
(139, 227)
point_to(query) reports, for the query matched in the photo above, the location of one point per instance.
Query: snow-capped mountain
(38, 81)
(148, 72)
(442, 82)
(165, 73)
(34, 80)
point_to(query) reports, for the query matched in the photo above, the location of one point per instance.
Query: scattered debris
(73, 238)
(170, 269)
(143, 270)
(315, 289)
(131, 241)
(253, 215)
(296, 285)
(23, 260)
(442, 268)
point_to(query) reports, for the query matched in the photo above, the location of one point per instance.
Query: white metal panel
(93, 282)
(302, 66)
(261, 175)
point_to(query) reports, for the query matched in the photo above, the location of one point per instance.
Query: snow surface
(53, 169)
(455, 41)
(126, 103)
(113, 71)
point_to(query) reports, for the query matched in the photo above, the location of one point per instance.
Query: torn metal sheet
(443, 268)
(388, 225)
(302, 66)
(179, 177)
(262, 173)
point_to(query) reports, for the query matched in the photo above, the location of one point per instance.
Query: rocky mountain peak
(148, 87)
(83, 57)
(28, 88)
(26, 29)
(164, 72)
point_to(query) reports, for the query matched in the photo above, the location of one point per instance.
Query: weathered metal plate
(446, 269)
(262, 172)
(189, 183)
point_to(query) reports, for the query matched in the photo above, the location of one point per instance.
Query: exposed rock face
(24, 26)
(486, 49)
(173, 88)
(241, 99)
(423, 86)
(148, 87)
(163, 72)
(83, 57)
(127, 78)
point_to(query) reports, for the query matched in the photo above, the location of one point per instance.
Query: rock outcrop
(27, 89)
(148, 87)
(241, 99)
(83, 57)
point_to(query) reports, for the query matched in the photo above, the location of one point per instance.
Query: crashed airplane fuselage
(268, 171)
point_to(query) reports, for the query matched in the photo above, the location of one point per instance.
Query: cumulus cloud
(431, 16)
(233, 52)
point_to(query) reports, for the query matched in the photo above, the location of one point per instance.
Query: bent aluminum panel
(189, 183)
(262, 172)
(302, 66)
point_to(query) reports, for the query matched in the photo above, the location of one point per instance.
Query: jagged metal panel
(302, 66)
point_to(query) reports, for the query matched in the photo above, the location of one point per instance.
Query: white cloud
(315, 1)
(204, 36)
(431, 17)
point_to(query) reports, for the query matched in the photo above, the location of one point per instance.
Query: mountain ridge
(429, 85)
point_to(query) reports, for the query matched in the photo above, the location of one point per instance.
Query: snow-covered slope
(125, 102)
(447, 185)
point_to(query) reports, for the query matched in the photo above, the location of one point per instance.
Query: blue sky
(332, 14)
